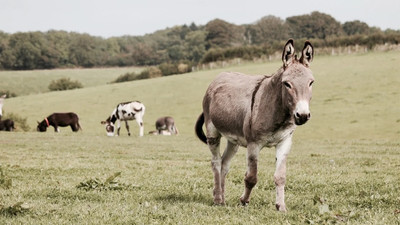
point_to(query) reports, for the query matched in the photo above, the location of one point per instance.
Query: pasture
(343, 168)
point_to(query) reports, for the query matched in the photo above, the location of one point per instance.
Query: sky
(115, 18)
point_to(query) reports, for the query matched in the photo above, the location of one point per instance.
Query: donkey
(59, 120)
(123, 112)
(1, 104)
(166, 123)
(256, 112)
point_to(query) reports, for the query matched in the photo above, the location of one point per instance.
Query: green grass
(343, 167)
(37, 81)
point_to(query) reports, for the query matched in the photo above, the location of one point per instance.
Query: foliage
(8, 93)
(64, 84)
(14, 210)
(20, 122)
(108, 185)
(126, 77)
(61, 49)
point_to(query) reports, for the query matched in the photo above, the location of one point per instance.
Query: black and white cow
(124, 112)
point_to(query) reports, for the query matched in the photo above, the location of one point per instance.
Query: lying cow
(60, 120)
(7, 125)
(124, 112)
(166, 123)
(163, 132)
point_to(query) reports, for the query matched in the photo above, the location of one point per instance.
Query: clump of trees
(187, 44)
(63, 84)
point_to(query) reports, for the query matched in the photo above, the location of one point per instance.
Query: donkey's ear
(288, 53)
(103, 122)
(37, 122)
(307, 54)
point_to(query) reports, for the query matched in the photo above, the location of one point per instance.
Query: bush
(126, 77)
(183, 68)
(64, 84)
(8, 93)
(19, 122)
(168, 69)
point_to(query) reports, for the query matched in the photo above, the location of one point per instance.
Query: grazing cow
(124, 112)
(7, 125)
(166, 123)
(1, 104)
(60, 120)
(256, 112)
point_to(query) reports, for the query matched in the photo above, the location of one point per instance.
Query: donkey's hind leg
(213, 141)
(229, 152)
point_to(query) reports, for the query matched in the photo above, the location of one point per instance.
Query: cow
(123, 112)
(166, 123)
(256, 112)
(7, 125)
(60, 120)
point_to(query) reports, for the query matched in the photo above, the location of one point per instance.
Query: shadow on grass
(185, 198)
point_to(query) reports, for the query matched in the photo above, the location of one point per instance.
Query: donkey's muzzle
(301, 118)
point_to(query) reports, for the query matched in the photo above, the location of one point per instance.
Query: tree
(314, 25)
(223, 34)
(267, 30)
(356, 27)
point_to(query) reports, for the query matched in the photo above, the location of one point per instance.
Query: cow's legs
(229, 152)
(250, 179)
(118, 127)
(141, 125)
(56, 129)
(282, 150)
(127, 127)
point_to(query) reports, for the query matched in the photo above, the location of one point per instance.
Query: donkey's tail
(199, 129)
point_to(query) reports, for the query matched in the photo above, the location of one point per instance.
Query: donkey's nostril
(297, 115)
(309, 116)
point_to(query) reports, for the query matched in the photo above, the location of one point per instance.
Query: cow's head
(109, 126)
(42, 126)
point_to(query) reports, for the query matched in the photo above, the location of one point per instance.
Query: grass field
(343, 168)
(37, 81)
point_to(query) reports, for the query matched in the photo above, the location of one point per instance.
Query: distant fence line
(334, 51)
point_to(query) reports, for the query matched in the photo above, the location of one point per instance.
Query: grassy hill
(343, 166)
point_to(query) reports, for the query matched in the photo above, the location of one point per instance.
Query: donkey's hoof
(280, 208)
(219, 201)
(244, 202)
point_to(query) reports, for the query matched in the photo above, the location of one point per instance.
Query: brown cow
(60, 120)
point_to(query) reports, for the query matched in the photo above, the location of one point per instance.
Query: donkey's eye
(311, 83)
(287, 84)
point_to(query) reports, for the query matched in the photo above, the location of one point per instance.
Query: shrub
(8, 93)
(183, 68)
(126, 77)
(64, 84)
(168, 69)
(154, 72)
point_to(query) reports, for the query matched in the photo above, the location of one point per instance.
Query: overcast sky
(138, 17)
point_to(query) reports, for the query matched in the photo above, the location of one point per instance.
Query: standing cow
(257, 112)
(123, 112)
(60, 120)
(166, 123)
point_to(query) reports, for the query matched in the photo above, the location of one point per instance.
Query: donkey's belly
(235, 139)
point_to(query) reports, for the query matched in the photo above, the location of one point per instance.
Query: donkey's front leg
(118, 127)
(250, 179)
(282, 150)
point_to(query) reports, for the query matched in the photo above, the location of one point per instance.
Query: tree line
(186, 44)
